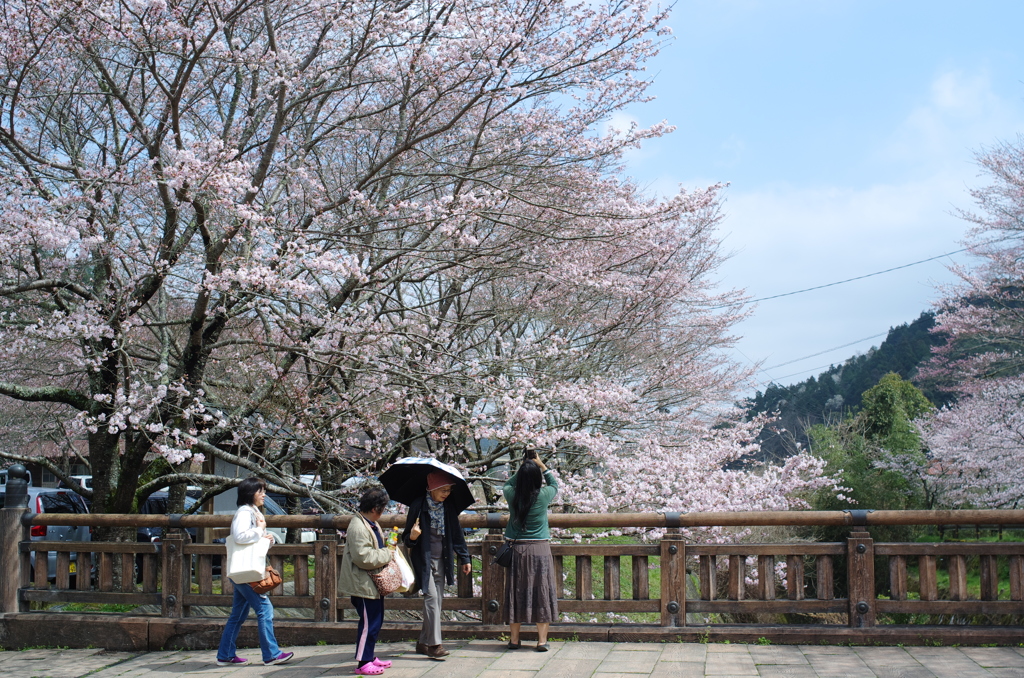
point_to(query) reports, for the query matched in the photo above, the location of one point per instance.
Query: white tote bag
(247, 562)
(408, 576)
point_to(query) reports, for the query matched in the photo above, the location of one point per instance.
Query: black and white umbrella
(406, 481)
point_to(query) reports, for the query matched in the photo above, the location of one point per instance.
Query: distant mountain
(837, 391)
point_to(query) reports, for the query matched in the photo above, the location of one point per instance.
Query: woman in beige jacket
(365, 551)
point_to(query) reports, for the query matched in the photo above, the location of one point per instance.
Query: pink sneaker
(369, 669)
(383, 663)
(280, 659)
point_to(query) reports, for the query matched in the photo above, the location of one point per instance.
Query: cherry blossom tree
(357, 230)
(975, 444)
(977, 447)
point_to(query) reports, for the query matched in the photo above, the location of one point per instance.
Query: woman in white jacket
(248, 527)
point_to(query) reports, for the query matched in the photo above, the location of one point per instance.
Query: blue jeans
(245, 598)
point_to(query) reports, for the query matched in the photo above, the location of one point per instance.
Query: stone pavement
(490, 659)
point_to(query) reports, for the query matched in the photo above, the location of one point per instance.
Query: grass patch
(569, 589)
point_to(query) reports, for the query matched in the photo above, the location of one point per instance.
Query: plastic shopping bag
(408, 576)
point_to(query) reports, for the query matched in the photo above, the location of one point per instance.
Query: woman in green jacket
(531, 596)
(365, 550)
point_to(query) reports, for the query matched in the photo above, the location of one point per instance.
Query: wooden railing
(594, 578)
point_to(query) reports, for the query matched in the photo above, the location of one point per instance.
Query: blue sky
(847, 132)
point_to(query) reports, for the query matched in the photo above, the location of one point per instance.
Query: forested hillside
(837, 391)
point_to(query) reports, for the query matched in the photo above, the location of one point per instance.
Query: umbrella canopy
(406, 481)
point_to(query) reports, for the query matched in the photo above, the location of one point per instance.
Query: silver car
(50, 500)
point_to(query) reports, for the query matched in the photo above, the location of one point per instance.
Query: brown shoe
(437, 652)
(423, 648)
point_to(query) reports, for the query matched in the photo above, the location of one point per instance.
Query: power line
(828, 350)
(840, 282)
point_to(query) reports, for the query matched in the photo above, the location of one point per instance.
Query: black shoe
(514, 646)
(542, 648)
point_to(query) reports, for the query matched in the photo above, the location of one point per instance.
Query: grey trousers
(433, 592)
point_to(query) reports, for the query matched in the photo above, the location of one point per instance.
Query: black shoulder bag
(503, 556)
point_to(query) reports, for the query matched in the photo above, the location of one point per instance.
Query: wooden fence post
(673, 580)
(325, 586)
(173, 593)
(12, 533)
(492, 595)
(860, 558)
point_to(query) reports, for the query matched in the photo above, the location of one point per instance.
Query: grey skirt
(531, 595)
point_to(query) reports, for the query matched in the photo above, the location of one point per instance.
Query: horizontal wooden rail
(950, 548)
(573, 520)
(668, 585)
(819, 549)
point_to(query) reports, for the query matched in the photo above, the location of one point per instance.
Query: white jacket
(245, 527)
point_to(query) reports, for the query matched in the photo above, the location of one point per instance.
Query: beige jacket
(360, 555)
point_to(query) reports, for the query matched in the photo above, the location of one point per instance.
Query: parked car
(156, 504)
(52, 500)
(84, 481)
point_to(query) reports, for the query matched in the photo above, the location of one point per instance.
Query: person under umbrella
(432, 533)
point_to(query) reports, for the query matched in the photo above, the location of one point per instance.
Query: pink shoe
(383, 663)
(369, 669)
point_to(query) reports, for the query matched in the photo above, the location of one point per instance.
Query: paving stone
(846, 665)
(518, 660)
(787, 670)
(634, 667)
(469, 667)
(723, 648)
(489, 659)
(729, 664)
(482, 649)
(879, 657)
(676, 670)
(903, 672)
(826, 649)
(586, 650)
(640, 647)
(994, 656)
(618, 655)
(951, 663)
(778, 655)
(684, 652)
(569, 668)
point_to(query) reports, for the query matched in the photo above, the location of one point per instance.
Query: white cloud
(960, 112)
(619, 123)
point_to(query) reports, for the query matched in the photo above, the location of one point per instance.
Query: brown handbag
(387, 579)
(268, 583)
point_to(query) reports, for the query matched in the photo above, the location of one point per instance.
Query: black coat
(454, 540)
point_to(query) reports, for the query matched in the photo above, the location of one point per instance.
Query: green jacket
(535, 526)
(361, 555)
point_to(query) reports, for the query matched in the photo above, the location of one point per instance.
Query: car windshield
(273, 508)
(62, 502)
(156, 504)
